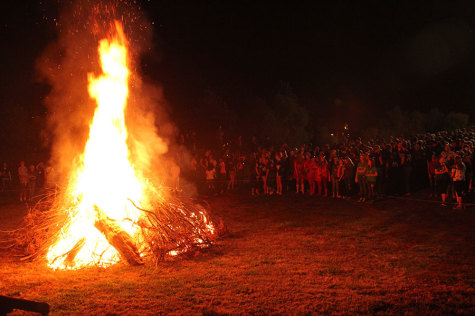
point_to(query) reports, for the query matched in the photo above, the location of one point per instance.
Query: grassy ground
(282, 255)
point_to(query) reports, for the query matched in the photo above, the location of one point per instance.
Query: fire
(113, 212)
(106, 180)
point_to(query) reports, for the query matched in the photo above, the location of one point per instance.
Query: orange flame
(106, 178)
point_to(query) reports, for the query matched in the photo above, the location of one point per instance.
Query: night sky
(416, 54)
(370, 55)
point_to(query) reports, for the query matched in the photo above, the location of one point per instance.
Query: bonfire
(109, 211)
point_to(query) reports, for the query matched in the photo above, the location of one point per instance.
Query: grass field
(281, 255)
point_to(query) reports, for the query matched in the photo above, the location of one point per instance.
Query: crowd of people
(32, 179)
(441, 161)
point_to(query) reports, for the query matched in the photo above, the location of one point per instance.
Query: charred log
(118, 238)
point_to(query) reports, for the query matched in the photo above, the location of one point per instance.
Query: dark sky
(371, 54)
(379, 54)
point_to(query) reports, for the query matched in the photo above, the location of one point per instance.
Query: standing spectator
(254, 175)
(264, 173)
(431, 163)
(335, 166)
(23, 177)
(221, 177)
(212, 161)
(418, 156)
(442, 178)
(322, 174)
(371, 176)
(32, 176)
(210, 177)
(278, 173)
(40, 173)
(340, 175)
(468, 161)
(348, 175)
(299, 173)
(289, 171)
(310, 167)
(379, 164)
(458, 176)
(271, 177)
(175, 176)
(360, 177)
(6, 177)
(50, 178)
(394, 173)
(194, 168)
(231, 169)
(406, 164)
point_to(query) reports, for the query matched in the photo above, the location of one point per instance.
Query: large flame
(106, 179)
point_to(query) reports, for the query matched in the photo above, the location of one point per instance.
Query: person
(40, 176)
(406, 166)
(395, 173)
(210, 176)
(299, 173)
(335, 176)
(23, 177)
(310, 166)
(175, 177)
(322, 175)
(360, 177)
(458, 176)
(50, 178)
(289, 172)
(339, 175)
(254, 175)
(378, 157)
(264, 173)
(6, 177)
(32, 177)
(221, 176)
(193, 168)
(442, 179)
(468, 161)
(431, 173)
(231, 165)
(348, 176)
(278, 173)
(371, 175)
(271, 177)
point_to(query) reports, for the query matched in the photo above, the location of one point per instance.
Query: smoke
(65, 65)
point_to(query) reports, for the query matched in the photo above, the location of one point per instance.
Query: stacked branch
(39, 228)
(171, 226)
(177, 225)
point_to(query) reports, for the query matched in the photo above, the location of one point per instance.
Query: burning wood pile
(171, 227)
(110, 211)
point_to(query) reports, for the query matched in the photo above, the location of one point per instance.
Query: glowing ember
(106, 180)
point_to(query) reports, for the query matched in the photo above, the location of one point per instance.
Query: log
(69, 261)
(118, 238)
(8, 304)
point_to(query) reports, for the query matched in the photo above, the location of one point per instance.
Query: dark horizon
(339, 59)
